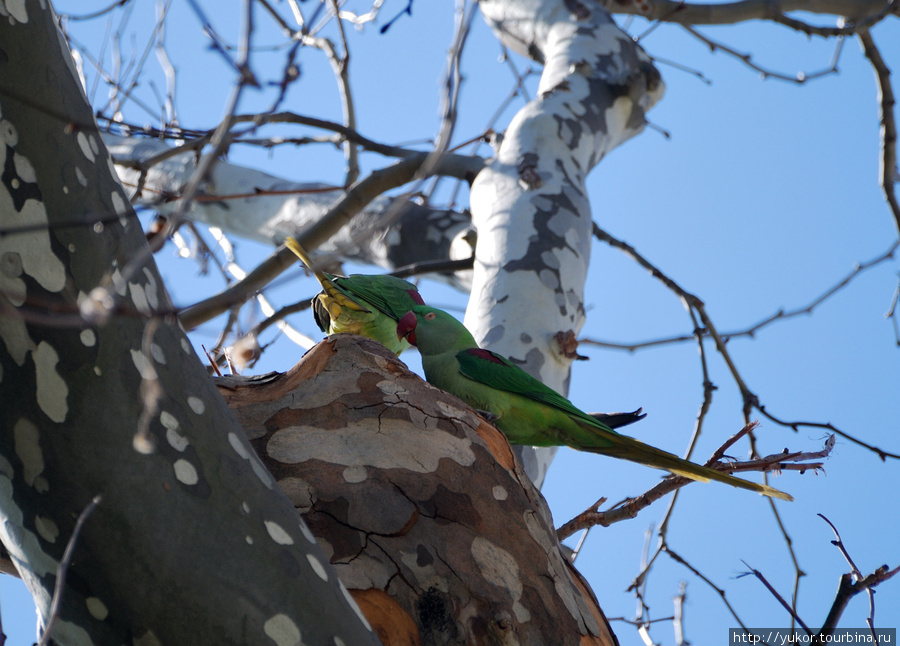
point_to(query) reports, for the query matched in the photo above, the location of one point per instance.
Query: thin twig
(747, 59)
(63, 568)
(886, 104)
(851, 585)
(784, 604)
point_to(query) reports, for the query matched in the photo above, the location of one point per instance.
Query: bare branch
(852, 584)
(630, 507)
(887, 102)
(351, 203)
(795, 425)
(747, 59)
(778, 597)
(63, 569)
(862, 12)
(678, 559)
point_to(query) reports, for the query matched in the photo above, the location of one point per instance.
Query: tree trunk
(191, 542)
(530, 205)
(420, 504)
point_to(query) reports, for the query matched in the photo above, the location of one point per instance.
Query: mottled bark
(423, 510)
(530, 205)
(388, 232)
(102, 395)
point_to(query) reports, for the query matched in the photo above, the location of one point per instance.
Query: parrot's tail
(628, 448)
(331, 290)
(618, 420)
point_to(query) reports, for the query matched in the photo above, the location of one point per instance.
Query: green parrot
(527, 411)
(360, 304)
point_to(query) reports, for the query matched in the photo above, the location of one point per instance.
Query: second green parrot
(361, 304)
(527, 411)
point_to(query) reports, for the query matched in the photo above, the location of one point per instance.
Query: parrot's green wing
(588, 433)
(499, 372)
(388, 294)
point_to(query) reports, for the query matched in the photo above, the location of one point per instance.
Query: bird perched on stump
(527, 411)
(360, 304)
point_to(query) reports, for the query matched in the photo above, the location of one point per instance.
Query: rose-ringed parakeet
(361, 304)
(527, 411)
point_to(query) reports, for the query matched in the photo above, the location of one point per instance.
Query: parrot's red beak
(406, 327)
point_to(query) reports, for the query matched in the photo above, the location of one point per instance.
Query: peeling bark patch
(97, 608)
(238, 446)
(393, 449)
(317, 567)
(298, 491)
(46, 529)
(31, 251)
(355, 474)
(142, 365)
(139, 298)
(120, 208)
(16, 9)
(152, 289)
(21, 188)
(277, 533)
(499, 493)
(282, 630)
(176, 440)
(537, 531)
(498, 445)
(500, 568)
(85, 144)
(157, 353)
(168, 420)
(196, 405)
(185, 472)
(28, 449)
(389, 620)
(52, 390)
(88, 338)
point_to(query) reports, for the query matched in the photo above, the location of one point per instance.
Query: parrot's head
(433, 331)
(419, 317)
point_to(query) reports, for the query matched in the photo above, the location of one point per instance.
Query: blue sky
(765, 195)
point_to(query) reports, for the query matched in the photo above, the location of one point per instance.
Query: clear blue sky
(765, 196)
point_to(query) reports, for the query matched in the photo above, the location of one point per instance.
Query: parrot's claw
(487, 415)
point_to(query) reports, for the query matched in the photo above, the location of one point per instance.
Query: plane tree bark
(419, 503)
(103, 399)
(112, 426)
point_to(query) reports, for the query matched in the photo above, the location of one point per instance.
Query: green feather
(360, 304)
(528, 411)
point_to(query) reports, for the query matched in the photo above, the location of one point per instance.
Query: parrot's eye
(429, 316)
